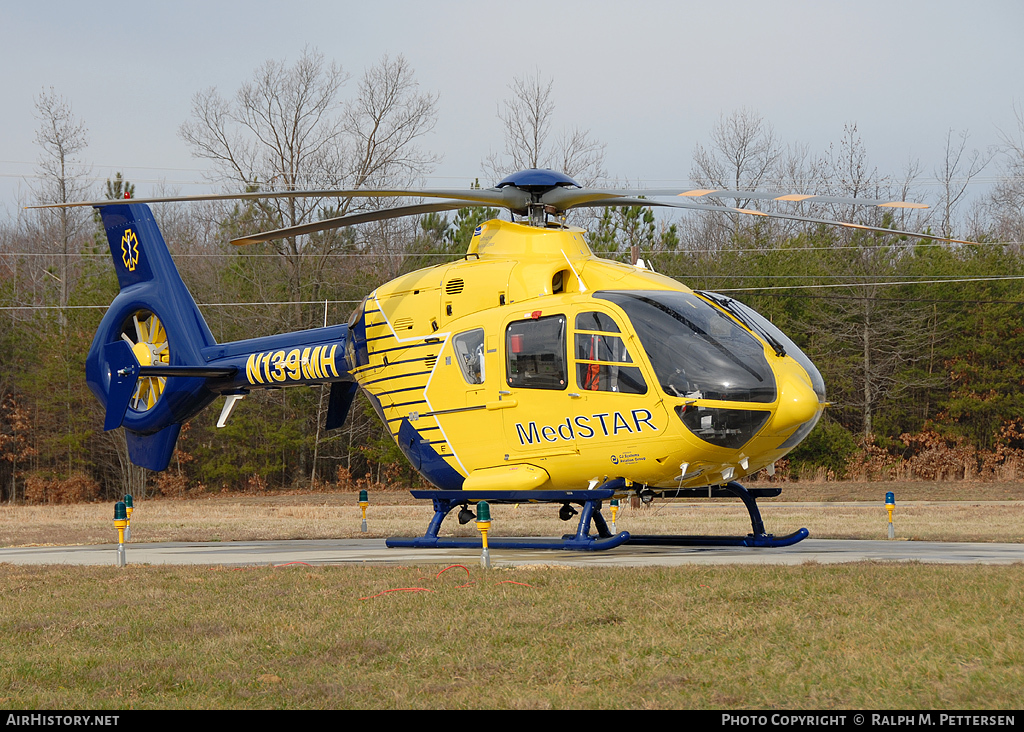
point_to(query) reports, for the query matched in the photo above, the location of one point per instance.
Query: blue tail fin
(157, 320)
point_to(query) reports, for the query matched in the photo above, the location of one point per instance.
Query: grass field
(819, 637)
(859, 636)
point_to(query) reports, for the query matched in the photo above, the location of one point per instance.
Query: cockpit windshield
(697, 351)
(749, 315)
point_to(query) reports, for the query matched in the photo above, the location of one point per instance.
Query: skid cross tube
(590, 500)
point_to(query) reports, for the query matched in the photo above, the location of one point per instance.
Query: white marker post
(129, 505)
(483, 524)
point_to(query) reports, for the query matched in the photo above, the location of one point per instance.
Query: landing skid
(445, 501)
(590, 501)
(764, 540)
(757, 537)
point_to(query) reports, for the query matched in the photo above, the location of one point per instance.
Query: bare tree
(527, 118)
(955, 173)
(909, 219)
(61, 178)
(743, 155)
(1006, 203)
(798, 171)
(289, 128)
(849, 174)
(383, 125)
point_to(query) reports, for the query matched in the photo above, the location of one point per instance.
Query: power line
(200, 304)
(836, 285)
(878, 284)
(895, 299)
(103, 255)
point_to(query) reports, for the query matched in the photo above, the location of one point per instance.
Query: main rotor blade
(565, 198)
(351, 219)
(751, 212)
(510, 197)
(478, 196)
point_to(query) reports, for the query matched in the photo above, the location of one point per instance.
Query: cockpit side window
(469, 352)
(594, 320)
(601, 358)
(535, 353)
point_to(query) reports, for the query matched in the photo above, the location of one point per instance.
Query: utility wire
(876, 284)
(200, 304)
(722, 290)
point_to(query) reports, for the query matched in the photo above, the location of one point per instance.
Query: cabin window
(535, 353)
(469, 352)
(602, 361)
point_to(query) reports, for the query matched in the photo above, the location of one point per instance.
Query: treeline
(921, 343)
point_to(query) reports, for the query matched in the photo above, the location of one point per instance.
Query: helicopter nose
(797, 404)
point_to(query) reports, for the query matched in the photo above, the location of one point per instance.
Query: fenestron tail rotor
(148, 340)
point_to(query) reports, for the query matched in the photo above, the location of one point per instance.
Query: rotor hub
(144, 353)
(538, 180)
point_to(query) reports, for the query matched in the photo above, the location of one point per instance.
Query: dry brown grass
(821, 508)
(905, 490)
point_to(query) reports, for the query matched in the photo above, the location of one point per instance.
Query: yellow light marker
(615, 512)
(363, 503)
(890, 505)
(129, 506)
(483, 524)
(120, 523)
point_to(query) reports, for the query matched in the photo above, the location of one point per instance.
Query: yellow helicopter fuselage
(534, 364)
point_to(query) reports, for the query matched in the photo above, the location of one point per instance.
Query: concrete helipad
(348, 551)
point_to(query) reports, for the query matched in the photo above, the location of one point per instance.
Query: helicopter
(529, 370)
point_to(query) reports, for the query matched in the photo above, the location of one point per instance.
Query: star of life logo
(130, 249)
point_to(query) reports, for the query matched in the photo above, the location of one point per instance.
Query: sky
(649, 79)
